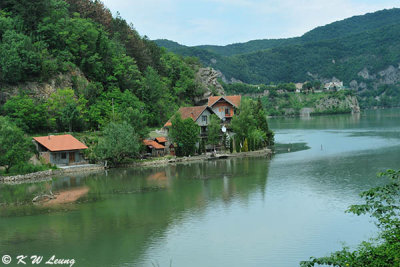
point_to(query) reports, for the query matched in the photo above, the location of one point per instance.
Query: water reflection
(125, 209)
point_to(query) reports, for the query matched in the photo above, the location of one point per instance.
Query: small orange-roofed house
(60, 149)
(161, 140)
(154, 148)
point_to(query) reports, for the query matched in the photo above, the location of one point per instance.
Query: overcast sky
(222, 22)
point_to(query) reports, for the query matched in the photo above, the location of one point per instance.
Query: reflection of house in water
(158, 179)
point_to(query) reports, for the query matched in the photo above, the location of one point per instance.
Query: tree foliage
(119, 141)
(185, 133)
(15, 148)
(251, 124)
(28, 114)
(214, 130)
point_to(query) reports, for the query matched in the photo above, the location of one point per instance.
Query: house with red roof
(60, 149)
(223, 106)
(200, 114)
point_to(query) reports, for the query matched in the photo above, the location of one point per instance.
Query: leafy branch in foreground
(383, 204)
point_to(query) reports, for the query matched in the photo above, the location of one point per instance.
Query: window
(63, 155)
(204, 119)
(227, 112)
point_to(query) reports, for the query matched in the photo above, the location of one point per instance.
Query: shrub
(245, 147)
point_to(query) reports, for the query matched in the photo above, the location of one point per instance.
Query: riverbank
(175, 160)
(45, 175)
(157, 162)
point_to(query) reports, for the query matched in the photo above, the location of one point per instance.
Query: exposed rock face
(364, 73)
(391, 75)
(45, 89)
(332, 103)
(208, 78)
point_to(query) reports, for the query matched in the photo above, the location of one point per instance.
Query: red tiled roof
(60, 142)
(153, 143)
(161, 139)
(233, 99)
(188, 112)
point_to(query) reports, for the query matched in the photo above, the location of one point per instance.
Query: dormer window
(204, 119)
(227, 112)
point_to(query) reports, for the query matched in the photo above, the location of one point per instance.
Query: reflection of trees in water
(131, 221)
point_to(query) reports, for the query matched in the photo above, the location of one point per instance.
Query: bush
(24, 168)
(245, 147)
(237, 144)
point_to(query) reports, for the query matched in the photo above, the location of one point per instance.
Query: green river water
(236, 212)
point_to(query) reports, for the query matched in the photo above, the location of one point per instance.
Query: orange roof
(161, 139)
(60, 142)
(153, 143)
(233, 99)
(188, 112)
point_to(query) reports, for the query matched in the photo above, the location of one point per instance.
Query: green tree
(237, 144)
(245, 147)
(19, 57)
(244, 123)
(66, 111)
(158, 100)
(383, 204)
(27, 113)
(15, 148)
(214, 130)
(262, 123)
(202, 148)
(119, 141)
(231, 145)
(185, 133)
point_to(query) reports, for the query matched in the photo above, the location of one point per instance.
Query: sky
(222, 22)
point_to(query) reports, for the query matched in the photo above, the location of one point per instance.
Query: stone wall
(43, 174)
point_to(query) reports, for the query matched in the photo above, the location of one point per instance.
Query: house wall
(56, 157)
(219, 109)
(200, 121)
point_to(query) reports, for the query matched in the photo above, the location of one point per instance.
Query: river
(236, 212)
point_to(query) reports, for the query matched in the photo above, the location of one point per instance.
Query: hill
(363, 51)
(69, 65)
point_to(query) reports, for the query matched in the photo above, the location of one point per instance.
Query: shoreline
(46, 175)
(207, 157)
(91, 168)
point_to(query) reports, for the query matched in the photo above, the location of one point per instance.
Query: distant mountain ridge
(346, 27)
(354, 33)
(362, 51)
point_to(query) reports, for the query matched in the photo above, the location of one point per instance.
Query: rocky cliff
(208, 78)
(42, 90)
(337, 105)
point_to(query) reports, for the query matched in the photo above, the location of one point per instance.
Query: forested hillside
(71, 66)
(362, 51)
(353, 25)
